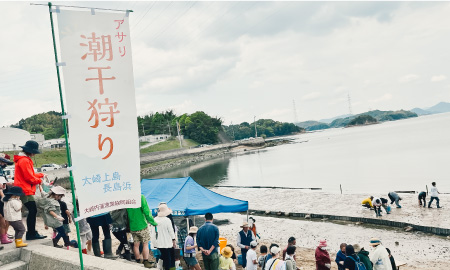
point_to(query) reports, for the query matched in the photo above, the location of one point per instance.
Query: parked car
(9, 172)
(50, 167)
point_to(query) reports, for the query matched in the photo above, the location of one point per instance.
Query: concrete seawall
(374, 221)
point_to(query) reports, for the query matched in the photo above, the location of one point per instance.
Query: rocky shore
(165, 160)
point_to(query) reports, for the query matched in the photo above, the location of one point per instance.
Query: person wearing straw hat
(379, 256)
(165, 239)
(225, 261)
(189, 249)
(323, 261)
(244, 238)
(27, 179)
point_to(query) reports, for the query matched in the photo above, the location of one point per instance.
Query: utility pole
(349, 104)
(295, 113)
(143, 131)
(256, 131)
(179, 137)
(169, 127)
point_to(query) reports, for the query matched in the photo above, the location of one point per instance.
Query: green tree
(265, 127)
(363, 119)
(201, 127)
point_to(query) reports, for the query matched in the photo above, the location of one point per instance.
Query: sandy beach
(318, 202)
(419, 250)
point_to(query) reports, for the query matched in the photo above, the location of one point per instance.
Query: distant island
(362, 120)
(377, 115)
(370, 117)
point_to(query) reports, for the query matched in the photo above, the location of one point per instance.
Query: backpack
(358, 264)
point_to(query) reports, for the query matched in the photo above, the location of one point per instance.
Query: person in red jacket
(27, 179)
(323, 261)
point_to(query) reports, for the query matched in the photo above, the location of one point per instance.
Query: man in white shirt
(377, 206)
(244, 238)
(252, 264)
(434, 194)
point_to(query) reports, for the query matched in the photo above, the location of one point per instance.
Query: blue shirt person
(208, 242)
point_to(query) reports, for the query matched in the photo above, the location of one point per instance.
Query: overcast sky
(237, 60)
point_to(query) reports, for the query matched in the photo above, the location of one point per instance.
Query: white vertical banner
(100, 98)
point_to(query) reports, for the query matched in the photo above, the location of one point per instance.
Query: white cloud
(408, 78)
(275, 114)
(311, 96)
(340, 89)
(255, 57)
(382, 98)
(438, 78)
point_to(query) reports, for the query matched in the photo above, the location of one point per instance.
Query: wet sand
(318, 202)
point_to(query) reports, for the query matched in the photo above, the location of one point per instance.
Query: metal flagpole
(69, 160)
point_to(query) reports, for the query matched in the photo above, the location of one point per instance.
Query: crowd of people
(131, 227)
(27, 191)
(376, 203)
(349, 257)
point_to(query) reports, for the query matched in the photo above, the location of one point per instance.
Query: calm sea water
(401, 155)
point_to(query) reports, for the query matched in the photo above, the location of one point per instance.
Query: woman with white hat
(189, 249)
(164, 237)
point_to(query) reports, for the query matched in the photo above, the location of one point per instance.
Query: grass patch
(169, 145)
(57, 156)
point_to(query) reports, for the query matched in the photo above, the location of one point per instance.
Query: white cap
(253, 243)
(58, 190)
(275, 250)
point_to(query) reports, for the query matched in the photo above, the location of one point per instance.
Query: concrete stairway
(10, 259)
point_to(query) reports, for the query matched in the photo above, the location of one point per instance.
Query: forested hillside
(49, 123)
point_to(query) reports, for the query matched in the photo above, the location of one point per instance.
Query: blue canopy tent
(187, 198)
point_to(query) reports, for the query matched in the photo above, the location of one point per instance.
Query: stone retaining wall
(382, 222)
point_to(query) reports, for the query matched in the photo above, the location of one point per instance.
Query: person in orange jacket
(27, 179)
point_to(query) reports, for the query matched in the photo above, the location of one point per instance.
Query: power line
(175, 20)
(154, 19)
(142, 17)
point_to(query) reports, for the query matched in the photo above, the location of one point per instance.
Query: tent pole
(247, 215)
(187, 224)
